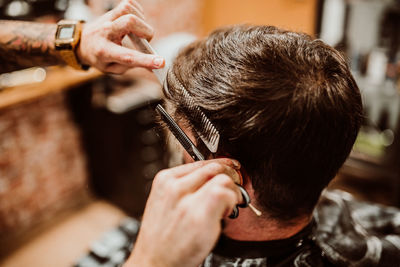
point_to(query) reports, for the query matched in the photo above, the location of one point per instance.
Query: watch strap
(68, 52)
(70, 58)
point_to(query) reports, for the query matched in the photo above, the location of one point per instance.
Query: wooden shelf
(57, 79)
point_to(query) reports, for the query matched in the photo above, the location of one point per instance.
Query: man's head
(286, 106)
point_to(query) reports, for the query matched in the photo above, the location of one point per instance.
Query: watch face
(66, 32)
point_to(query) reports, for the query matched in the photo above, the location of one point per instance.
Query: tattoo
(27, 44)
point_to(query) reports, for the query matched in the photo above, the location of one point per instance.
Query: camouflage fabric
(344, 232)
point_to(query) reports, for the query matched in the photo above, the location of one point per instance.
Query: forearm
(27, 44)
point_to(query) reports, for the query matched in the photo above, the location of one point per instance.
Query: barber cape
(344, 232)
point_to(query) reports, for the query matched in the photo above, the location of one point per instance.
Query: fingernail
(235, 163)
(158, 61)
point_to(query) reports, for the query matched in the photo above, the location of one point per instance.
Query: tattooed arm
(27, 44)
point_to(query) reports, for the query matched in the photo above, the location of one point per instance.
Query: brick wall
(42, 163)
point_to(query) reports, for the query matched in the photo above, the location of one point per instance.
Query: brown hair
(286, 106)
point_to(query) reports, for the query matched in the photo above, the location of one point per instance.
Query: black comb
(204, 128)
(179, 134)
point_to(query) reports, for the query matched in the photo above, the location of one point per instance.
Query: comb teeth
(205, 129)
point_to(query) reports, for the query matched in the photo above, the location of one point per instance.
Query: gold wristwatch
(67, 40)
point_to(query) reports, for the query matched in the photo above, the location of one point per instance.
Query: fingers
(130, 58)
(130, 24)
(182, 170)
(127, 7)
(136, 4)
(219, 196)
(115, 68)
(193, 181)
(101, 40)
(189, 178)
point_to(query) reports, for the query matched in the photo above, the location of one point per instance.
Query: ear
(241, 176)
(239, 172)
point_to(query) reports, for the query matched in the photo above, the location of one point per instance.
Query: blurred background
(78, 150)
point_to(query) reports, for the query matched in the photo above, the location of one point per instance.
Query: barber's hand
(182, 219)
(100, 44)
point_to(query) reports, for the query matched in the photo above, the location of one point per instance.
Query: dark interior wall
(124, 151)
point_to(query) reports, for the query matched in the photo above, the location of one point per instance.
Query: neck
(250, 227)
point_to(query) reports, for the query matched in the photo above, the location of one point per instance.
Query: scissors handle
(246, 202)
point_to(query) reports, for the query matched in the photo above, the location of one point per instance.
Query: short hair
(286, 106)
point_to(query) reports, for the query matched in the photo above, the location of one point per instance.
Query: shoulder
(353, 232)
(309, 255)
(313, 256)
